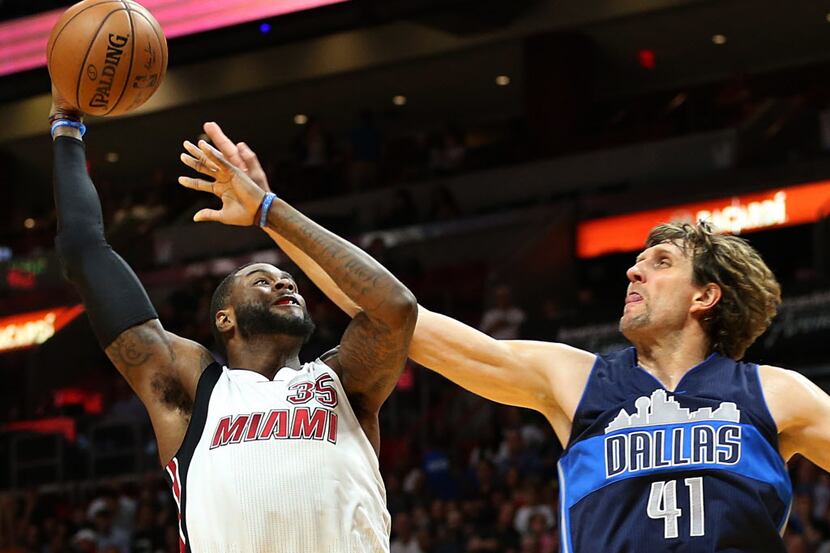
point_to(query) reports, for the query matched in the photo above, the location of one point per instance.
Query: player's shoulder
(328, 361)
(789, 394)
(778, 379)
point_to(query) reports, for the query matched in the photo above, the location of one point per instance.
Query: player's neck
(670, 356)
(265, 354)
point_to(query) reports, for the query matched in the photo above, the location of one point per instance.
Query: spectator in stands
(504, 319)
(534, 505)
(448, 152)
(544, 324)
(442, 204)
(402, 212)
(109, 535)
(404, 540)
(148, 536)
(85, 541)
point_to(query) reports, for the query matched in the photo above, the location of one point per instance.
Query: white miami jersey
(282, 465)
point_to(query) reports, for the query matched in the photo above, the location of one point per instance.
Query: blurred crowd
(500, 497)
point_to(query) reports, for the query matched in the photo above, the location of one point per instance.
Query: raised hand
(63, 108)
(239, 154)
(240, 195)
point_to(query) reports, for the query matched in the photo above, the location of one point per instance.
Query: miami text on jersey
(663, 434)
(298, 423)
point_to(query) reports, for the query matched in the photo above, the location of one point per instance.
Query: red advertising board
(779, 207)
(30, 329)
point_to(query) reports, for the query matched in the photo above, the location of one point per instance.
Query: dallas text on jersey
(663, 434)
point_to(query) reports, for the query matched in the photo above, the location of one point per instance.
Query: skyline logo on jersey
(662, 434)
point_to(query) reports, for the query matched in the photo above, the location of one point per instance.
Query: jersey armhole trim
(571, 437)
(767, 409)
(348, 405)
(198, 418)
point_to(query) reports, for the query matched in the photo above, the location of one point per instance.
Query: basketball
(107, 57)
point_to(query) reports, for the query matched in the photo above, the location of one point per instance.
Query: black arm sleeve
(114, 298)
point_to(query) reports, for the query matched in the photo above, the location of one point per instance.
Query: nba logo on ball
(107, 57)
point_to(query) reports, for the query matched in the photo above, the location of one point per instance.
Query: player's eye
(260, 281)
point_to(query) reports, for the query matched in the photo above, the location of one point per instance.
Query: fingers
(249, 157)
(225, 145)
(196, 184)
(204, 215)
(213, 154)
(198, 160)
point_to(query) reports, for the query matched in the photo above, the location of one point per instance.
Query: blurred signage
(797, 334)
(794, 205)
(30, 329)
(23, 274)
(23, 41)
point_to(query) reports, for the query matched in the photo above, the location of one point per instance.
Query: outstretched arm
(373, 348)
(162, 368)
(543, 376)
(802, 413)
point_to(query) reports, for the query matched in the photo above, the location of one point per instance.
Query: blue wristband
(266, 205)
(67, 123)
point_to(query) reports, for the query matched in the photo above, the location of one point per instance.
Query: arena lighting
(503, 80)
(777, 208)
(399, 100)
(719, 39)
(30, 329)
(300, 119)
(23, 41)
(647, 59)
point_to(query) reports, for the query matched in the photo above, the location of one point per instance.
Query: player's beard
(258, 319)
(629, 326)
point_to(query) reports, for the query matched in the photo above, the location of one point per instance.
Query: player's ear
(225, 319)
(706, 297)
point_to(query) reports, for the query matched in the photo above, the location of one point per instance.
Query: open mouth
(287, 300)
(633, 297)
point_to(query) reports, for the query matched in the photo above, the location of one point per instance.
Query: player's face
(660, 292)
(266, 301)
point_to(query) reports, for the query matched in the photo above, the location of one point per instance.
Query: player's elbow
(403, 309)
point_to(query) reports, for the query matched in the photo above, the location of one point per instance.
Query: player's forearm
(113, 296)
(363, 281)
(317, 275)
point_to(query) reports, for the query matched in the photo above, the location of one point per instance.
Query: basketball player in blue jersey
(271, 455)
(671, 445)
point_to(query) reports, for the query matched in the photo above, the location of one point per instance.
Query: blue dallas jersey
(693, 470)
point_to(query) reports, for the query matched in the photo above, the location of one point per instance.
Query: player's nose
(634, 273)
(285, 285)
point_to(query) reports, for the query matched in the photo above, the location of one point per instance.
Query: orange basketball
(107, 57)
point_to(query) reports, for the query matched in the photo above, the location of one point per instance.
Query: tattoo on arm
(360, 277)
(374, 355)
(374, 346)
(135, 347)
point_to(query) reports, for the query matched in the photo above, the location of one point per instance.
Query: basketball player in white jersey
(268, 454)
(696, 301)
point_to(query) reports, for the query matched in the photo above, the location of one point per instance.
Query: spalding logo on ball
(107, 57)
